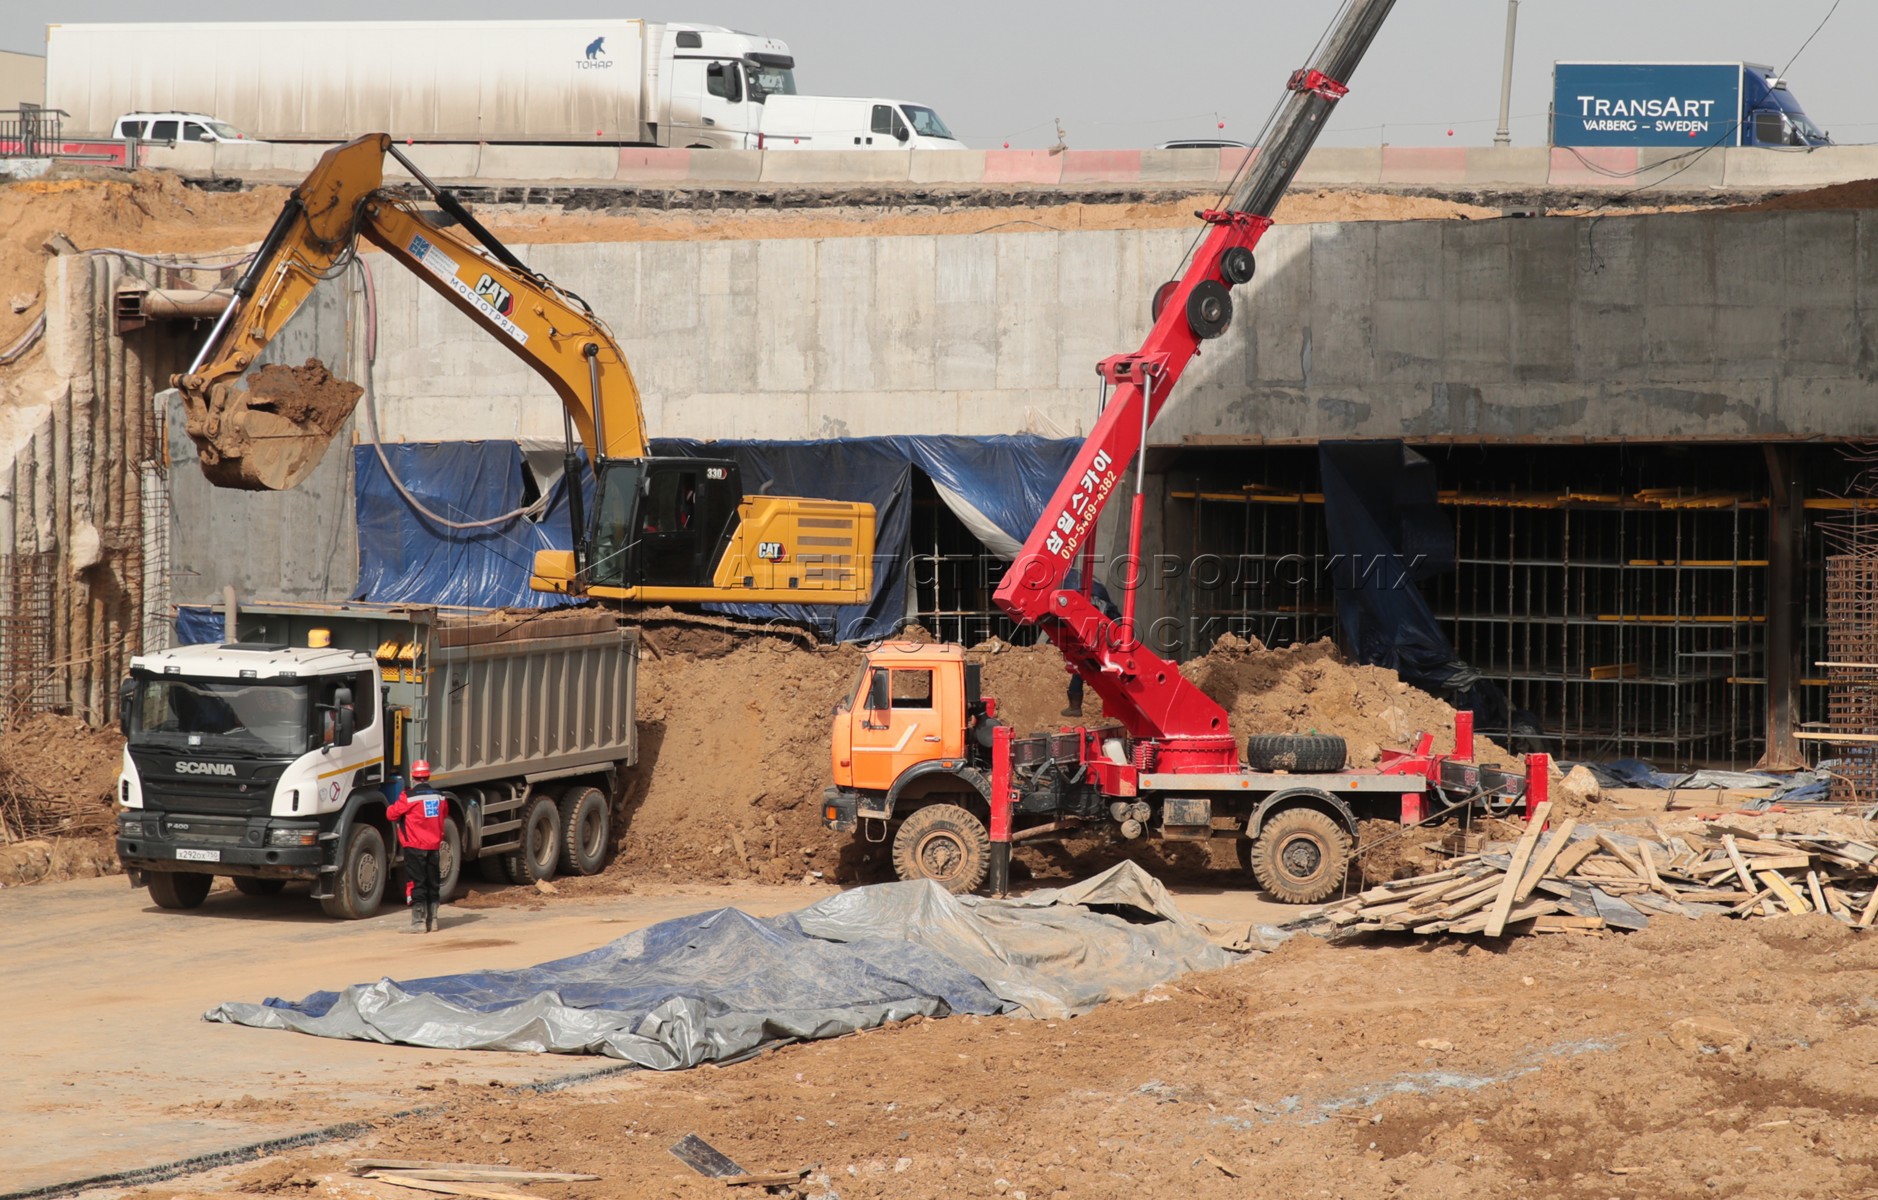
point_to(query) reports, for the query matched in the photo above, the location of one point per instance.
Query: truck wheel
(449, 862)
(1300, 856)
(586, 830)
(534, 862)
(1300, 754)
(943, 843)
(491, 870)
(362, 870)
(179, 889)
(249, 886)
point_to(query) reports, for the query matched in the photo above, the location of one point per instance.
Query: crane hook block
(1209, 309)
(1237, 265)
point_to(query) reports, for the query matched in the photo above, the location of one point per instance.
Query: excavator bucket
(268, 430)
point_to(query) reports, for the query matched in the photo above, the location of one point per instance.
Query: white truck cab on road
(852, 123)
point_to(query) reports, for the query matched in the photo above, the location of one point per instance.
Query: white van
(175, 127)
(850, 123)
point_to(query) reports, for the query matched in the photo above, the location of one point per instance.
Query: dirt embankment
(56, 779)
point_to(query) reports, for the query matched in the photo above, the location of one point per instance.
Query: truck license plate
(199, 855)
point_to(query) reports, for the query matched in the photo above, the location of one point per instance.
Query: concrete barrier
(724, 166)
(1523, 166)
(1403, 165)
(947, 166)
(1691, 168)
(1610, 167)
(1757, 169)
(595, 164)
(835, 166)
(1341, 166)
(1596, 166)
(649, 164)
(1022, 166)
(1101, 166)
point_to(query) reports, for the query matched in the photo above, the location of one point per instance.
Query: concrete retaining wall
(1680, 327)
(1331, 166)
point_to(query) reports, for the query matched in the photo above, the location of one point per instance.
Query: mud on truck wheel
(540, 851)
(1300, 856)
(363, 869)
(586, 830)
(946, 844)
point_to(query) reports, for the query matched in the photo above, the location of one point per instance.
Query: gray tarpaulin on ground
(721, 985)
(1052, 953)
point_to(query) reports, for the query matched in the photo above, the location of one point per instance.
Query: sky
(1132, 74)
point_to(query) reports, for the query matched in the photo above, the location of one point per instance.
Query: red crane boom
(1183, 729)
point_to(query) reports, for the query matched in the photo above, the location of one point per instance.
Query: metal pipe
(1503, 136)
(231, 615)
(592, 352)
(178, 303)
(262, 262)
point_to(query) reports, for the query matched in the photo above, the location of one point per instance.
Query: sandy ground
(1712, 1059)
(110, 1067)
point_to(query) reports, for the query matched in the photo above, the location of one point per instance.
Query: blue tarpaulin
(997, 486)
(405, 557)
(1387, 534)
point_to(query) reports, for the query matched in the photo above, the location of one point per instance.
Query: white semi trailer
(603, 82)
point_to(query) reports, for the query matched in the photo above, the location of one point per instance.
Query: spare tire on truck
(1300, 754)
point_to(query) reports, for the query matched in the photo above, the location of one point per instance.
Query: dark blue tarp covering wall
(197, 624)
(1006, 479)
(404, 557)
(1387, 534)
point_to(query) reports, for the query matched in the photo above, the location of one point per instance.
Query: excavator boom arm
(264, 437)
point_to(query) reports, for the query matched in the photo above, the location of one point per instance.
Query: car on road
(176, 127)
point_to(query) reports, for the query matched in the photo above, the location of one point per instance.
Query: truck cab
(852, 123)
(254, 761)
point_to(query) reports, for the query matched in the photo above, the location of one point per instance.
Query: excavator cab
(662, 522)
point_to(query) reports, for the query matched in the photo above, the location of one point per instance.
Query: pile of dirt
(57, 776)
(1861, 193)
(269, 430)
(1307, 688)
(734, 746)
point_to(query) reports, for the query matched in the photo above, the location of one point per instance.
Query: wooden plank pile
(1576, 878)
(478, 1180)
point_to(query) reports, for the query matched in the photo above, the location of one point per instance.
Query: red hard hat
(420, 769)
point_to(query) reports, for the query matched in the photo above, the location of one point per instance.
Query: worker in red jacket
(420, 815)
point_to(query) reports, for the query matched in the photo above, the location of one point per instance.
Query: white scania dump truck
(271, 758)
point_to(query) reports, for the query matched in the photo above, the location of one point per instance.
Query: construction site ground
(1694, 1058)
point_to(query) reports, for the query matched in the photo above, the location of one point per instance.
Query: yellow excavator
(663, 530)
